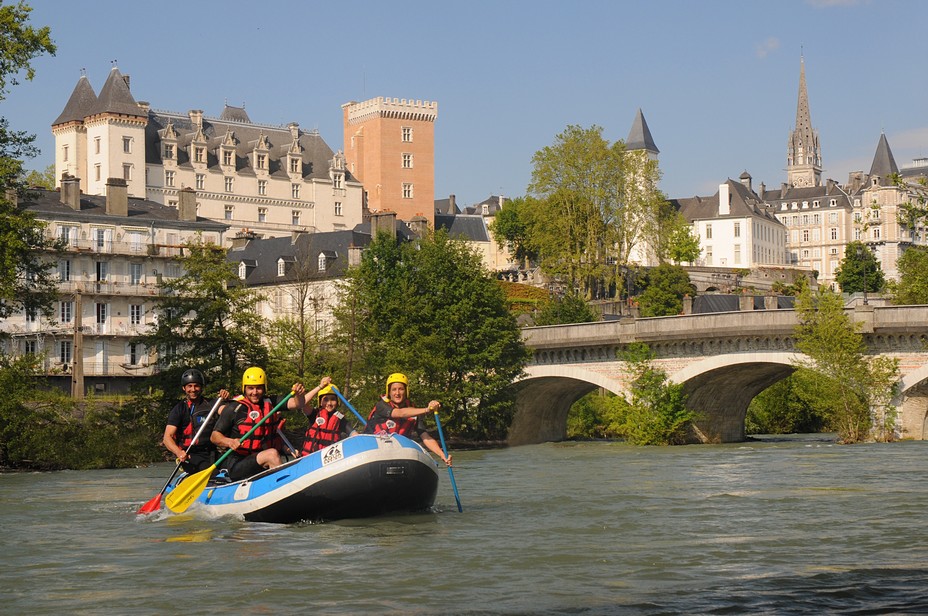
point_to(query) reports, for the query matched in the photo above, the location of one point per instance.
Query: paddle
(155, 503)
(348, 404)
(441, 437)
(191, 487)
(283, 437)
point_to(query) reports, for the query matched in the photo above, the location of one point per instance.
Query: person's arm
(298, 401)
(432, 445)
(223, 425)
(312, 393)
(169, 440)
(410, 411)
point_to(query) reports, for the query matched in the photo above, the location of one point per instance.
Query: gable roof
(470, 227)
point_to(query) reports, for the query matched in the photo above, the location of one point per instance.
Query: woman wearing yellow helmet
(257, 452)
(327, 424)
(395, 414)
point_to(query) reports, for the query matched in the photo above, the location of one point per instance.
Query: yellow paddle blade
(187, 491)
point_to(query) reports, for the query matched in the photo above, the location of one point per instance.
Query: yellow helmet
(254, 376)
(326, 391)
(397, 377)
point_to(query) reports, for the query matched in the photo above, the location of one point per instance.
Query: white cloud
(767, 47)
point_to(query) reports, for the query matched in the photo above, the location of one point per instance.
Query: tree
(430, 310)
(567, 309)
(859, 270)
(681, 244)
(852, 390)
(780, 409)
(25, 278)
(206, 319)
(663, 294)
(45, 179)
(912, 287)
(511, 225)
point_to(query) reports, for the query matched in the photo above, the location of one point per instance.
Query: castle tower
(390, 148)
(803, 154)
(639, 138)
(71, 134)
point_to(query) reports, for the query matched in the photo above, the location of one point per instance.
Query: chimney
(145, 106)
(763, 191)
(196, 117)
(354, 256)
(746, 180)
(117, 197)
(295, 235)
(830, 186)
(71, 191)
(452, 205)
(724, 200)
(783, 187)
(187, 204)
(383, 222)
(419, 225)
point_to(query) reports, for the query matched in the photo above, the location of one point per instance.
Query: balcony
(91, 287)
(131, 249)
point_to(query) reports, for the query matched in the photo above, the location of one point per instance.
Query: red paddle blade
(151, 506)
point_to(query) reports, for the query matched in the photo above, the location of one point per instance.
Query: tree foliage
(851, 389)
(781, 409)
(859, 271)
(430, 310)
(663, 294)
(510, 225)
(912, 287)
(44, 179)
(570, 308)
(206, 319)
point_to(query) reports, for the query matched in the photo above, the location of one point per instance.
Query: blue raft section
(361, 476)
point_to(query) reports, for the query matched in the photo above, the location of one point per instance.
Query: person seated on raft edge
(327, 424)
(184, 421)
(395, 414)
(257, 452)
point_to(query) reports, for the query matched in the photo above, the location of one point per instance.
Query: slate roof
(883, 162)
(744, 203)
(116, 98)
(47, 204)
(639, 137)
(493, 206)
(470, 227)
(80, 105)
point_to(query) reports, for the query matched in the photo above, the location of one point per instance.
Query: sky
(717, 80)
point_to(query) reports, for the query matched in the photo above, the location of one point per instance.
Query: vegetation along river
(780, 525)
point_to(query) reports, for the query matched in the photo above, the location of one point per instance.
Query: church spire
(804, 155)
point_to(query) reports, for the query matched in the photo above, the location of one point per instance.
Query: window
(133, 353)
(96, 172)
(31, 315)
(485, 210)
(102, 310)
(805, 235)
(96, 145)
(876, 233)
(135, 273)
(856, 234)
(261, 161)
(407, 134)
(199, 155)
(135, 241)
(294, 164)
(816, 219)
(229, 184)
(407, 161)
(737, 231)
(229, 212)
(805, 219)
(281, 267)
(321, 262)
(127, 145)
(99, 240)
(135, 314)
(66, 312)
(30, 347)
(227, 157)
(169, 178)
(169, 151)
(337, 180)
(64, 351)
(295, 217)
(68, 235)
(242, 271)
(833, 217)
(338, 208)
(737, 253)
(708, 255)
(200, 181)
(262, 214)
(103, 269)
(857, 217)
(815, 204)
(64, 270)
(295, 191)
(834, 233)
(708, 232)
(262, 187)
(127, 172)
(407, 191)
(833, 203)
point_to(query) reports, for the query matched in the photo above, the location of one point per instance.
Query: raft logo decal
(333, 453)
(320, 421)
(254, 415)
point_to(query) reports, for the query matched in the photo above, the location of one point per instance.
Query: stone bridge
(722, 359)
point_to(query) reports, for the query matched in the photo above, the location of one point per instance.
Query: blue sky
(717, 80)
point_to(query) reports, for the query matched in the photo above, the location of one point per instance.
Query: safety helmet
(328, 390)
(397, 377)
(254, 376)
(192, 376)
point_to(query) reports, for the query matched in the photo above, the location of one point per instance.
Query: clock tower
(803, 152)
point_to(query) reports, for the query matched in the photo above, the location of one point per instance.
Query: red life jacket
(194, 416)
(323, 431)
(253, 414)
(390, 425)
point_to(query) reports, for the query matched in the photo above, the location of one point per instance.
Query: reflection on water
(777, 525)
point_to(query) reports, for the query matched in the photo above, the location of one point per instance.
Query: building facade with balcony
(116, 251)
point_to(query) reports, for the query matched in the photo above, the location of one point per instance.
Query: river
(779, 526)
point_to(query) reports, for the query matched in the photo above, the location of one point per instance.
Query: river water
(778, 526)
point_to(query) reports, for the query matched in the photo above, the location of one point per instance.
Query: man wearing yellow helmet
(255, 453)
(327, 424)
(395, 414)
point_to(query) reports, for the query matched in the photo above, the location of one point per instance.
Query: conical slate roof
(883, 162)
(116, 98)
(639, 137)
(80, 105)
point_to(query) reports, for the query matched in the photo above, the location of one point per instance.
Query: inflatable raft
(361, 476)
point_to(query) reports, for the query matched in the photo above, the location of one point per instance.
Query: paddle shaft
(441, 438)
(287, 442)
(348, 404)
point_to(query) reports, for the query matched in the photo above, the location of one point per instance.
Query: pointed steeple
(80, 105)
(639, 137)
(883, 162)
(115, 97)
(804, 155)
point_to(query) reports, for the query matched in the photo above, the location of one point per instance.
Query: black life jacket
(323, 431)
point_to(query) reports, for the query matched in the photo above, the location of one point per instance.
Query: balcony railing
(121, 248)
(91, 287)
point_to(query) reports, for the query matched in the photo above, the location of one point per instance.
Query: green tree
(45, 179)
(780, 409)
(206, 319)
(912, 287)
(851, 389)
(570, 308)
(681, 244)
(656, 412)
(430, 310)
(510, 225)
(859, 271)
(663, 294)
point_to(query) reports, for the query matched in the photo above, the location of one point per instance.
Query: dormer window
(337, 180)
(322, 261)
(199, 155)
(169, 151)
(281, 267)
(242, 270)
(325, 257)
(261, 161)
(294, 164)
(227, 157)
